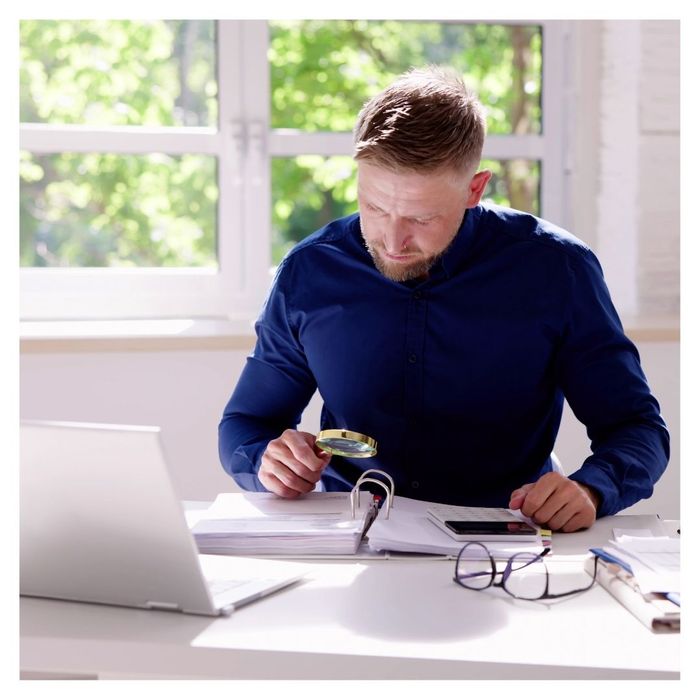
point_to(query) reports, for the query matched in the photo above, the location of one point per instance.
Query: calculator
(464, 523)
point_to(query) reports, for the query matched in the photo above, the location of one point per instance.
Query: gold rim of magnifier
(349, 435)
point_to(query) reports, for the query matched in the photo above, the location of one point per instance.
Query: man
(448, 330)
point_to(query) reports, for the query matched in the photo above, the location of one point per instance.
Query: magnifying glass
(346, 443)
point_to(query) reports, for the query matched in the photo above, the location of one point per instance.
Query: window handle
(237, 141)
(256, 147)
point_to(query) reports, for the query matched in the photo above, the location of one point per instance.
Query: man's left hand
(557, 503)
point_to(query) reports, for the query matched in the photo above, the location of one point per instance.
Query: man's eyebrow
(422, 215)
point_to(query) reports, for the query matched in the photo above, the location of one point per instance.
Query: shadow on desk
(406, 611)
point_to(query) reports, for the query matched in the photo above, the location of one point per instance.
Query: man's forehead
(421, 196)
(371, 175)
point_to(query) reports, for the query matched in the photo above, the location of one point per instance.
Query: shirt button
(415, 484)
(412, 358)
(418, 295)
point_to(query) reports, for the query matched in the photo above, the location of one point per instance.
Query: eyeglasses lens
(474, 566)
(526, 576)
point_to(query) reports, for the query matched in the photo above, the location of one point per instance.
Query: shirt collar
(456, 255)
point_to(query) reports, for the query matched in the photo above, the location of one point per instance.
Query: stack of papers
(262, 523)
(655, 561)
(643, 573)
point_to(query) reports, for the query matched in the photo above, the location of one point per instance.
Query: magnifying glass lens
(346, 443)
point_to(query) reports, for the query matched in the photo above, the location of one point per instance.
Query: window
(166, 166)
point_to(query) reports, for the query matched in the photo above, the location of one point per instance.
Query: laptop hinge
(158, 605)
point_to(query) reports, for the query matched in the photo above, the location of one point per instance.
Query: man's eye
(422, 222)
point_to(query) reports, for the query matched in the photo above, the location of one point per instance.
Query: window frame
(244, 145)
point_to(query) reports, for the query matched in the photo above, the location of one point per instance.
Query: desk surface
(401, 619)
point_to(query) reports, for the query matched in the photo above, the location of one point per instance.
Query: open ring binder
(364, 479)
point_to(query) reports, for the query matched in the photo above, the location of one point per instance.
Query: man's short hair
(426, 120)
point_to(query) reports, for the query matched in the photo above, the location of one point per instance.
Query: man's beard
(401, 272)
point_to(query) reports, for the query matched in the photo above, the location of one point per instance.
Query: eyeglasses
(525, 577)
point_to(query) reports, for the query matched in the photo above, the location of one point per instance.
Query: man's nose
(394, 238)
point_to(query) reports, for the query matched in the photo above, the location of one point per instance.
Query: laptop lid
(100, 522)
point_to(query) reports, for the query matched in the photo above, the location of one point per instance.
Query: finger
(283, 473)
(565, 494)
(280, 452)
(290, 479)
(279, 484)
(518, 496)
(537, 496)
(302, 446)
(583, 518)
(577, 514)
(274, 485)
(580, 521)
(561, 517)
(551, 506)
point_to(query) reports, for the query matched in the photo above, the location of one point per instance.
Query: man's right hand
(292, 464)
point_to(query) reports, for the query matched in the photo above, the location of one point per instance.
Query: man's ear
(477, 186)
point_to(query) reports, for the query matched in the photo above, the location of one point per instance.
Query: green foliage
(513, 181)
(106, 210)
(307, 193)
(322, 72)
(98, 210)
(117, 72)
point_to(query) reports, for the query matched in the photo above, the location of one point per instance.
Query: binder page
(409, 529)
(255, 504)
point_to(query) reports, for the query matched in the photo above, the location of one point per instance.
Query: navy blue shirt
(460, 377)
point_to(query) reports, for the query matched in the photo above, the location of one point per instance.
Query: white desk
(362, 620)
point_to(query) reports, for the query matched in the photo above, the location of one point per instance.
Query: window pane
(310, 191)
(118, 72)
(307, 193)
(105, 210)
(514, 183)
(323, 71)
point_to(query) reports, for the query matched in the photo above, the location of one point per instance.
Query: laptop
(100, 522)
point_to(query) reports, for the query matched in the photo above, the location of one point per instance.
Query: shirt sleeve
(271, 394)
(603, 382)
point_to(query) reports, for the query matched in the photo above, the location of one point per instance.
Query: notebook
(100, 522)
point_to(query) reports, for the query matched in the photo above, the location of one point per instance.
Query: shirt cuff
(249, 458)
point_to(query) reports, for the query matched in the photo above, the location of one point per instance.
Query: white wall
(625, 158)
(182, 392)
